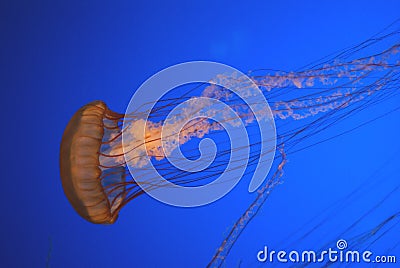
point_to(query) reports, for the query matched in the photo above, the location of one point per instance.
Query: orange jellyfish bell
(85, 174)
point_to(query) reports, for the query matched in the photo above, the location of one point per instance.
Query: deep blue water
(57, 56)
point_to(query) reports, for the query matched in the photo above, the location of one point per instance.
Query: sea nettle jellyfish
(94, 157)
(83, 173)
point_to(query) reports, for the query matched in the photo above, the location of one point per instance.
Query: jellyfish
(96, 159)
(83, 175)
